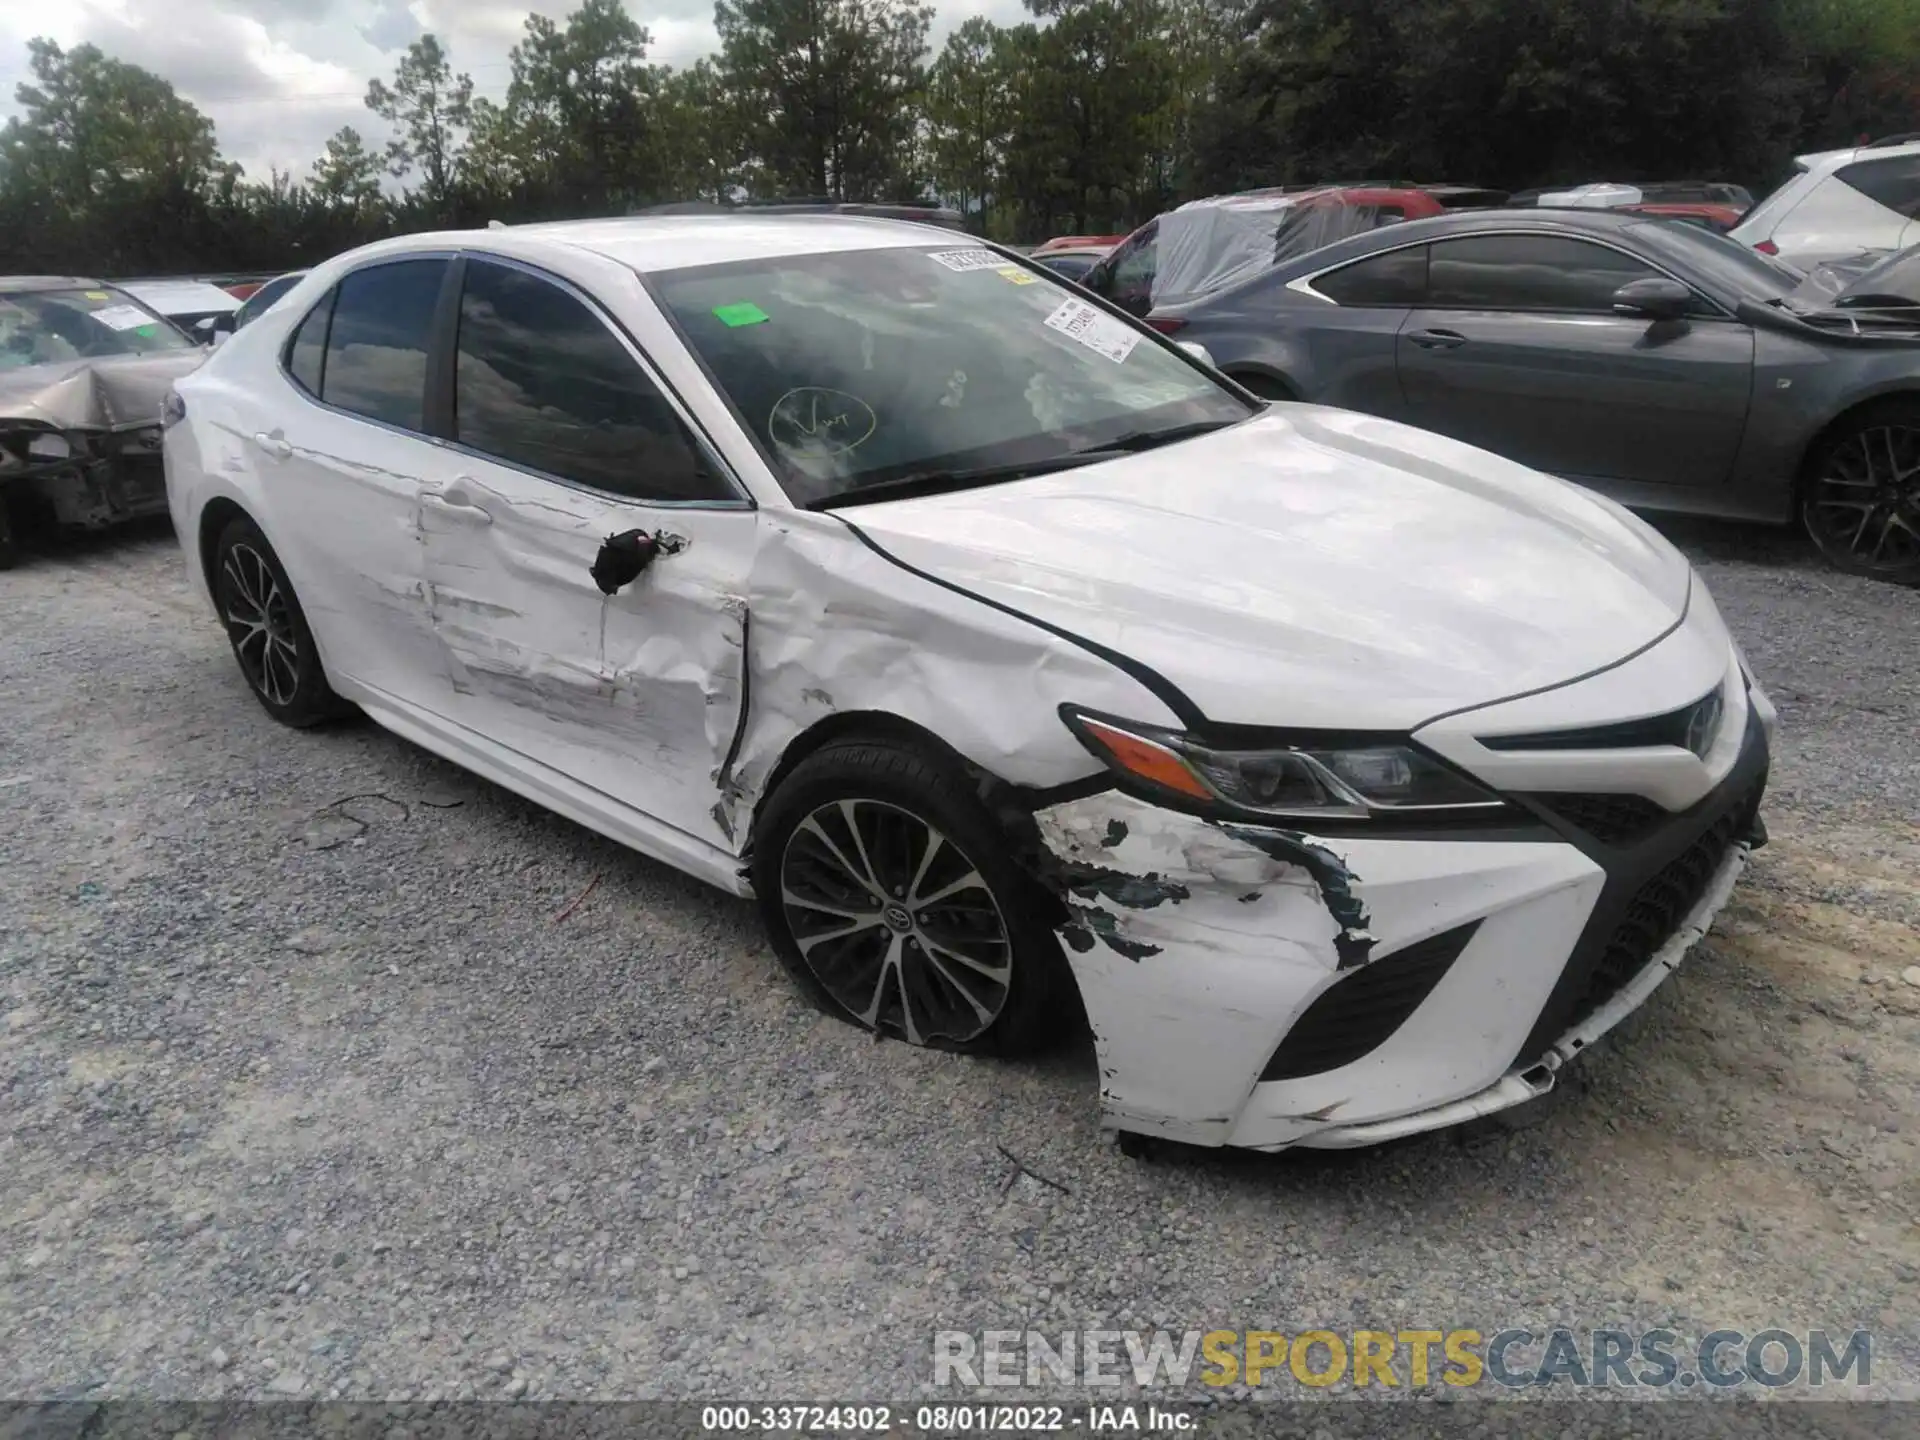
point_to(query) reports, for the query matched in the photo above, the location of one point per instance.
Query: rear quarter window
(1397, 279)
(1893, 182)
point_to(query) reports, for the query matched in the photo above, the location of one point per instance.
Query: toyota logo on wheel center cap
(898, 917)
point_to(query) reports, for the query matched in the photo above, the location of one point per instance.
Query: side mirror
(1197, 351)
(220, 338)
(1654, 298)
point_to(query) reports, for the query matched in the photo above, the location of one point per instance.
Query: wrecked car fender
(838, 627)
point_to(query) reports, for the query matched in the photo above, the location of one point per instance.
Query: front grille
(1358, 1013)
(1656, 911)
(1610, 819)
(1691, 727)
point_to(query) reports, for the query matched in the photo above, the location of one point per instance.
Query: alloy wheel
(1865, 500)
(260, 623)
(896, 922)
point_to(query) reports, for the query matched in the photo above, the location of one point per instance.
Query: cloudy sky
(280, 76)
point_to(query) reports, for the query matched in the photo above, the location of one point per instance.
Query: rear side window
(1131, 272)
(1397, 279)
(1528, 272)
(376, 362)
(1894, 182)
(306, 355)
(540, 381)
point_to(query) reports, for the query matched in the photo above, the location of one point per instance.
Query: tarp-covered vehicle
(1208, 245)
(84, 371)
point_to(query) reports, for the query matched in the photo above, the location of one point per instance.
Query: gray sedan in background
(1668, 367)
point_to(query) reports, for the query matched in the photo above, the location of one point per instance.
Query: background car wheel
(1265, 386)
(9, 545)
(1861, 498)
(891, 899)
(268, 630)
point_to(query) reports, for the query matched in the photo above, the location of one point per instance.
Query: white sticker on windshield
(967, 259)
(122, 317)
(1094, 329)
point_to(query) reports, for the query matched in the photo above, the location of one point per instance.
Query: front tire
(268, 630)
(1860, 502)
(891, 899)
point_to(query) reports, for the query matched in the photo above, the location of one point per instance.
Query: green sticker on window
(146, 330)
(745, 313)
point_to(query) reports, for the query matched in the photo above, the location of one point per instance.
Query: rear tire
(9, 543)
(1860, 497)
(268, 630)
(892, 901)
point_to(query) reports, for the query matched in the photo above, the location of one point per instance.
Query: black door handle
(624, 558)
(1437, 339)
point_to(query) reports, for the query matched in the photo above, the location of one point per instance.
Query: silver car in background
(1670, 368)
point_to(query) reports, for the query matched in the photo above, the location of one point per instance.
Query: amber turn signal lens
(1148, 761)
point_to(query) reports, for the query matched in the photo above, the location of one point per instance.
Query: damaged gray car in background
(84, 368)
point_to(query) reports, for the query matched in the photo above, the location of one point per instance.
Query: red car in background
(1076, 242)
(1717, 218)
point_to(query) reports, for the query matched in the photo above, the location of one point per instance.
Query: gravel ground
(329, 1070)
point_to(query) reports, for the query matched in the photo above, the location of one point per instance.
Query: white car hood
(1311, 567)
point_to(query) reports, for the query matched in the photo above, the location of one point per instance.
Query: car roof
(651, 243)
(180, 294)
(1573, 220)
(20, 284)
(1822, 161)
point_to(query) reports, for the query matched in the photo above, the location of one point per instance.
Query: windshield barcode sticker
(967, 259)
(122, 317)
(1093, 328)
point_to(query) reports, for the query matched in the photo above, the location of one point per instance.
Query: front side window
(855, 369)
(376, 358)
(541, 382)
(1528, 272)
(49, 327)
(1396, 280)
(1894, 182)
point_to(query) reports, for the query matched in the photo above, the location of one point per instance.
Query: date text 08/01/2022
(944, 1419)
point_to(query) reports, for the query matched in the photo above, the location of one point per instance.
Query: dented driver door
(563, 440)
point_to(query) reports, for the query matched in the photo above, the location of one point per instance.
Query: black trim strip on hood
(1169, 694)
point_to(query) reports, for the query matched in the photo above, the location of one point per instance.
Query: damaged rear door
(585, 555)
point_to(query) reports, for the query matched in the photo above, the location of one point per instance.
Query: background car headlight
(1303, 781)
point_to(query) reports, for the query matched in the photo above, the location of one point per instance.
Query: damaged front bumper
(82, 479)
(1265, 989)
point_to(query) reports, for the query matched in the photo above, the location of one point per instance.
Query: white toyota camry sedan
(1350, 779)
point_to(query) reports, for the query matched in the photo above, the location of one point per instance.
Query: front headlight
(1307, 781)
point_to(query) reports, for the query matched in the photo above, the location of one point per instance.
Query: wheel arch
(1903, 389)
(218, 513)
(1010, 806)
(1260, 378)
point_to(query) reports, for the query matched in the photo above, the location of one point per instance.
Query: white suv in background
(1840, 202)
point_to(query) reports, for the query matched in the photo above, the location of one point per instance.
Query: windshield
(262, 300)
(856, 369)
(1896, 279)
(1724, 264)
(46, 327)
